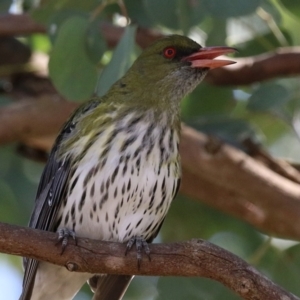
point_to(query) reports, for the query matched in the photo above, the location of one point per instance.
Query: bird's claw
(63, 236)
(140, 245)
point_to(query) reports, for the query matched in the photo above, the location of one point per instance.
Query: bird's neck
(153, 103)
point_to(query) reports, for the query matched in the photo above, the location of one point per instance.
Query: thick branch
(28, 119)
(230, 180)
(15, 25)
(192, 258)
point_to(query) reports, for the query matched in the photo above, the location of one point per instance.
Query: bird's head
(170, 68)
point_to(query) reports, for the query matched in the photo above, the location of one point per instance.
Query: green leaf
(40, 42)
(194, 219)
(179, 14)
(8, 202)
(292, 6)
(207, 99)
(233, 243)
(163, 12)
(4, 5)
(268, 97)
(119, 63)
(57, 20)
(46, 9)
(231, 130)
(138, 14)
(190, 13)
(178, 288)
(284, 268)
(71, 70)
(217, 34)
(231, 8)
(6, 160)
(95, 43)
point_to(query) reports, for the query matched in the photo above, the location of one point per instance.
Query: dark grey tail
(109, 287)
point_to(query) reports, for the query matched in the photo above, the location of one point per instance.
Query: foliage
(81, 63)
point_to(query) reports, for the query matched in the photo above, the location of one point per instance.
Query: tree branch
(31, 118)
(228, 179)
(192, 258)
(23, 24)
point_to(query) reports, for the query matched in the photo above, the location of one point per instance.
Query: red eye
(169, 52)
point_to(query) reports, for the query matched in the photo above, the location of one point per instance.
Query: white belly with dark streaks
(130, 194)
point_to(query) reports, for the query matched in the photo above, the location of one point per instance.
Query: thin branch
(192, 258)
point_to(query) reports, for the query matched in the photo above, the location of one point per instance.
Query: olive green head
(166, 71)
(161, 68)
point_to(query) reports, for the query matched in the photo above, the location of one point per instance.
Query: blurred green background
(81, 63)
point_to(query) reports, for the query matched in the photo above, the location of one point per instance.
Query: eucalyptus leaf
(292, 6)
(119, 63)
(46, 9)
(233, 243)
(58, 18)
(95, 43)
(8, 202)
(178, 14)
(217, 34)
(178, 288)
(268, 97)
(163, 12)
(71, 70)
(231, 130)
(285, 269)
(191, 14)
(5, 5)
(138, 13)
(207, 99)
(231, 8)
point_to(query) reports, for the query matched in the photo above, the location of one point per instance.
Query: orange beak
(204, 58)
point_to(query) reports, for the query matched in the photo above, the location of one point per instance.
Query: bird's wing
(49, 197)
(51, 191)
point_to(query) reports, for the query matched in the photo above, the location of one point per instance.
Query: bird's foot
(63, 236)
(140, 245)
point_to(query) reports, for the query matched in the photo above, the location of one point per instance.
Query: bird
(115, 166)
